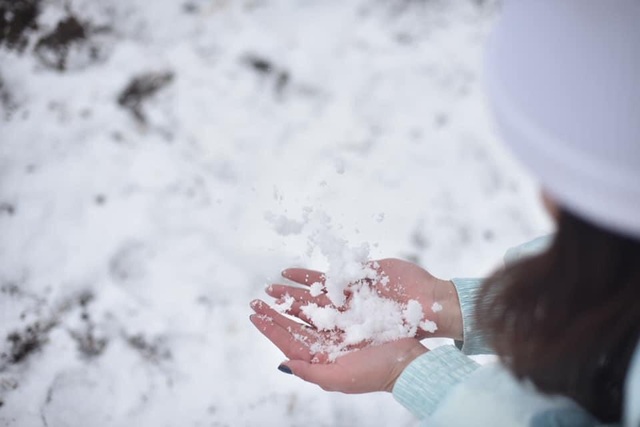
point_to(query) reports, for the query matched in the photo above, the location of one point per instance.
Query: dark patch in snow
(140, 89)
(100, 199)
(28, 341)
(418, 240)
(404, 38)
(154, 350)
(8, 384)
(33, 336)
(190, 8)
(86, 113)
(73, 44)
(491, 4)
(89, 344)
(282, 81)
(7, 209)
(6, 100)
(260, 64)
(441, 120)
(10, 289)
(17, 17)
(72, 34)
(85, 298)
(68, 31)
(419, 243)
(266, 67)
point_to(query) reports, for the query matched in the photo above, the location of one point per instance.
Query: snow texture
(367, 318)
(144, 143)
(436, 307)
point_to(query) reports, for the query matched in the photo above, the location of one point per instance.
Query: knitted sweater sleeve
(474, 341)
(427, 380)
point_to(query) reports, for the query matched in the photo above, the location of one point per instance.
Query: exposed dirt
(28, 341)
(53, 49)
(17, 18)
(267, 68)
(152, 350)
(7, 103)
(90, 344)
(140, 89)
(5, 207)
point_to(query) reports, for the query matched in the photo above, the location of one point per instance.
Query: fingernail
(285, 369)
(255, 303)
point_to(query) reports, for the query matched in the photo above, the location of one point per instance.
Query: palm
(405, 282)
(365, 369)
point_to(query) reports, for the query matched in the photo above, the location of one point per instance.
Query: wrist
(403, 361)
(449, 318)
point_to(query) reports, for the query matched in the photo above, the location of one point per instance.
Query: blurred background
(145, 148)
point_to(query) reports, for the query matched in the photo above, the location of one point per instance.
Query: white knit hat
(564, 82)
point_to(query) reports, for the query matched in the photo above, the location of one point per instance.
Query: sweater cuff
(426, 381)
(474, 341)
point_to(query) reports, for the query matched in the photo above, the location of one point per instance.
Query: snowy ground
(144, 143)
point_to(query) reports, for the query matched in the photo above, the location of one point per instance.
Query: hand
(365, 369)
(406, 281)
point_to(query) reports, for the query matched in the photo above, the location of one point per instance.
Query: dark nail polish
(285, 369)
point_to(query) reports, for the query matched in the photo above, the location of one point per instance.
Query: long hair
(568, 319)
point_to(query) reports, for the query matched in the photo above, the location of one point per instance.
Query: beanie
(563, 79)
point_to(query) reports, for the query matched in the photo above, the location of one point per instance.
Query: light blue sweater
(445, 387)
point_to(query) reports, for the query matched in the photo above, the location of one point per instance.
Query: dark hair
(569, 319)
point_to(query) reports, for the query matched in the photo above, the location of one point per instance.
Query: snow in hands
(358, 313)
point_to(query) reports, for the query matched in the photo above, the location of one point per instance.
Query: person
(563, 315)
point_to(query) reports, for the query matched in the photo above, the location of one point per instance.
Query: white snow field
(154, 156)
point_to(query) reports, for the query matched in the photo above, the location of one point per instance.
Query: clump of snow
(316, 289)
(429, 326)
(413, 312)
(436, 307)
(285, 304)
(368, 318)
(358, 313)
(346, 264)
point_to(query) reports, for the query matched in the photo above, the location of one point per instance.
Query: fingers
(292, 338)
(291, 347)
(301, 298)
(298, 294)
(303, 276)
(296, 311)
(262, 309)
